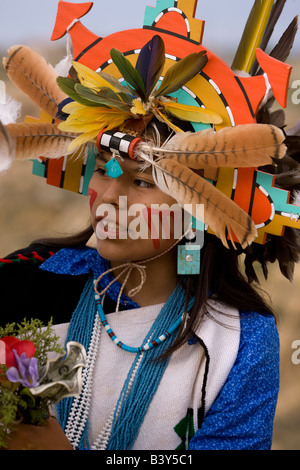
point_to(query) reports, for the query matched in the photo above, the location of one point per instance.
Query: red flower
(8, 343)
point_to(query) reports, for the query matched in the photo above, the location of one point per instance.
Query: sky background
(31, 21)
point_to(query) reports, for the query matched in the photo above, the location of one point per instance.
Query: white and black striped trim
(273, 212)
(116, 142)
(177, 10)
(290, 215)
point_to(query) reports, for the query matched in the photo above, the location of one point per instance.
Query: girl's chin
(130, 250)
(117, 249)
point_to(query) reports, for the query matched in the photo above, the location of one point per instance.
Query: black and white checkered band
(116, 142)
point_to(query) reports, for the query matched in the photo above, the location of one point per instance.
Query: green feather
(181, 72)
(130, 74)
(104, 97)
(123, 89)
(67, 85)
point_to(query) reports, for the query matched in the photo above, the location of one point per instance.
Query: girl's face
(127, 226)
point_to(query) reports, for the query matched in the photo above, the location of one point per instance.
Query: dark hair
(222, 279)
(220, 276)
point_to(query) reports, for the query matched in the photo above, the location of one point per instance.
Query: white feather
(296, 198)
(7, 149)
(10, 110)
(63, 67)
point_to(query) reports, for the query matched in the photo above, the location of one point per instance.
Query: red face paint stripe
(93, 194)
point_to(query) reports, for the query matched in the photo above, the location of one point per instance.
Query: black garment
(29, 292)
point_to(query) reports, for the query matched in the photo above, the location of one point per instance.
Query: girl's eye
(100, 171)
(143, 183)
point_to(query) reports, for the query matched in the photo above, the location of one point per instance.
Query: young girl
(181, 353)
(206, 386)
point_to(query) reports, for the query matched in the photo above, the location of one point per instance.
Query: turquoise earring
(188, 258)
(188, 255)
(113, 168)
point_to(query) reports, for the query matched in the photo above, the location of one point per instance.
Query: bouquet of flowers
(30, 382)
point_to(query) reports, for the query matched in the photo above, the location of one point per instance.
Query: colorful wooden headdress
(119, 84)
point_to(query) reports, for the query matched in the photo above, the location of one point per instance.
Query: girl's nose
(114, 188)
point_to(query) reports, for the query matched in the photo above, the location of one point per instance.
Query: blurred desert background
(30, 209)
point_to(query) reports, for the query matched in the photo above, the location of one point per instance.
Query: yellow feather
(84, 138)
(192, 113)
(74, 107)
(89, 78)
(85, 115)
(78, 127)
(163, 118)
(138, 108)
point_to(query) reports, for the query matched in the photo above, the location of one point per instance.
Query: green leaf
(67, 85)
(181, 72)
(130, 74)
(28, 397)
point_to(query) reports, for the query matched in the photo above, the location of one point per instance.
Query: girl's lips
(106, 229)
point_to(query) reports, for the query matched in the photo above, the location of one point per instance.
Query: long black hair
(221, 277)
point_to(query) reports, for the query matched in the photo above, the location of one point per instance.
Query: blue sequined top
(241, 418)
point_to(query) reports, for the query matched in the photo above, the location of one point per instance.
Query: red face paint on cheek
(147, 213)
(93, 194)
(154, 224)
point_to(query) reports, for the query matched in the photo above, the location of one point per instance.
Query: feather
(191, 113)
(252, 35)
(277, 118)
(282, 50)
(116, 85)
(150, 63)
(290, 180)
(296, 197)
(31, 73)
(274, 17)
(105, 97)
(67, 85)
(181, 72)
(295, 131)
(190, 189)
(88, 77)
(26, 141)
(220, 212)
(10, 110)
(248, 145)
(163, 118)
(286, 250)
(129, 73)
(7, 148)
(89, 124)
(255, 253)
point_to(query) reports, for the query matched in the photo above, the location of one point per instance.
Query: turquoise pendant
(113, 168)
(188, 259)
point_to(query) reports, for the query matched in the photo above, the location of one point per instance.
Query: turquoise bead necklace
(147, 346)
